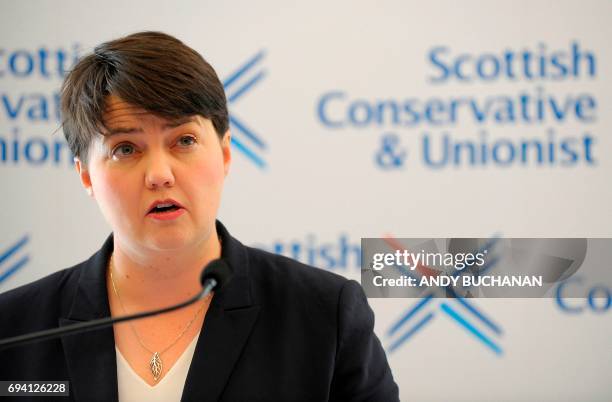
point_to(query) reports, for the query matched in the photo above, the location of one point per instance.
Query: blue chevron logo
(462, 312)
(10, 262)
(240, 82)
(458, 309)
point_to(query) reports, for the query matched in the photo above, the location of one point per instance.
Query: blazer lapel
(219, 346)
(90, 356)
(92, 365)
(227, 326)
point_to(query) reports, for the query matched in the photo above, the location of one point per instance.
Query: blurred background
(362, 119)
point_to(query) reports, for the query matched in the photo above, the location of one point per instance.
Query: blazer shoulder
(285, 271)
(269, 263)
(36, 302)
(42, 288)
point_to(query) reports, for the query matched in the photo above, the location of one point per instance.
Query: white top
(132, 388)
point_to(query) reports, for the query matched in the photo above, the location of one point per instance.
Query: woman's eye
(186, 141)
(123, 150)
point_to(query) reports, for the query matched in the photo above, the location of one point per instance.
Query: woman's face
(157, 182)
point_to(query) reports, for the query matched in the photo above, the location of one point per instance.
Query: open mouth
(166, 207)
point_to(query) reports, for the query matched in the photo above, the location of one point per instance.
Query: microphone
(214, 276)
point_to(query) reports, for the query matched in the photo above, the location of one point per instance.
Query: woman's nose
(159, 171)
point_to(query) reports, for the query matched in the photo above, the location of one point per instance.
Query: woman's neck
(147, 279)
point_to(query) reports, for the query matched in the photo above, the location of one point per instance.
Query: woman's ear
(81, 169)
(226, 148)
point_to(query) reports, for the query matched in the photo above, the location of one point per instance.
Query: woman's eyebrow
(168, 125)
(123, 130)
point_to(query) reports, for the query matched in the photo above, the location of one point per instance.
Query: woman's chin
(168, 242)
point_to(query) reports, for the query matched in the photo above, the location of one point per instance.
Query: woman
(147, 121)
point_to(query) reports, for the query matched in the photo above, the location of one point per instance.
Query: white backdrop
(332, 84)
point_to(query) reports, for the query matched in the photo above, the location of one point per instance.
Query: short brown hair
(150, 70)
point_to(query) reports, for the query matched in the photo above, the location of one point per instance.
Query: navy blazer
(279, 331)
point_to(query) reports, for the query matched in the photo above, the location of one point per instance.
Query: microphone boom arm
(47, 334)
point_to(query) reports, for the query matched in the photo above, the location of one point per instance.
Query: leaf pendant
(156, 366)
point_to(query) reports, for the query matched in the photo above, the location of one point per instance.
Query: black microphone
(214, 276)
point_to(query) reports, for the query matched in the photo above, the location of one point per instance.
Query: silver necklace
(156, 364)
